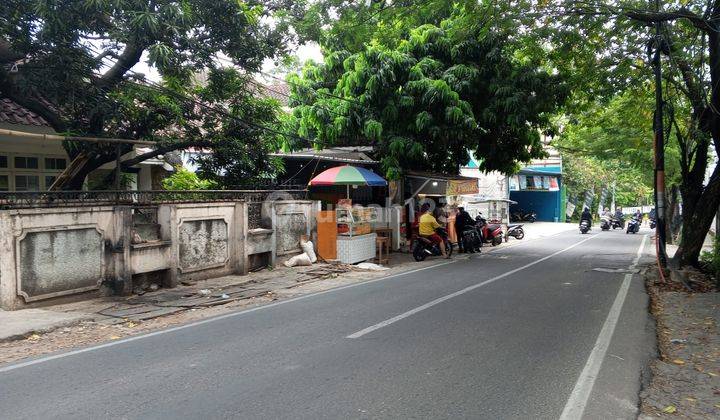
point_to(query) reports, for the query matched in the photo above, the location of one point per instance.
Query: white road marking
(208, 320)
(575, 406)
(458, 293)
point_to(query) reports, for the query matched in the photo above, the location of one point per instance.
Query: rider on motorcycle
(427, 226)
(463, 221)
(619, 213)
(586, 215)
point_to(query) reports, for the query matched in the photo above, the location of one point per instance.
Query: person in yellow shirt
(427, 226)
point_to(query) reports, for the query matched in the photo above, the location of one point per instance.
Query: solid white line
(575, 406)
(208, 320)
(458, 293)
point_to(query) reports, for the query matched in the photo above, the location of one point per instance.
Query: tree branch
(682, 13)
(125, 61)
(164, 149)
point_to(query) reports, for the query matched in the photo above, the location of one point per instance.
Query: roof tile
(13, 113)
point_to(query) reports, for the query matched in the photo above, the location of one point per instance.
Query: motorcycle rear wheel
(468, 244)
(519, 234)
(419, 253)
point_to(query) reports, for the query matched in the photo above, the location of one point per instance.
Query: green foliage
(184, 180)
(77, 55)
(581, 174)
(425, 100)
(711, 259)
(620, 132)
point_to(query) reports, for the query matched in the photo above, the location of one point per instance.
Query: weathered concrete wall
(292, 219)
(210, 239)
(53, 252)
(46, 253)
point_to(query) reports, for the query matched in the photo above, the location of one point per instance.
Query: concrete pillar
(144, 178)
(238, 239)
(8, 275)
(122, 239)
(167, 219)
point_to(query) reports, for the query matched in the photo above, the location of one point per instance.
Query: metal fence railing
(44, 199)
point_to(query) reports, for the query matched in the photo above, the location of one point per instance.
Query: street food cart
(347, 233)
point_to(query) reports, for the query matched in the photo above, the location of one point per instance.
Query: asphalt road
(529, 331)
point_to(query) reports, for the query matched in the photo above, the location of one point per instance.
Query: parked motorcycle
(616, 222)
(470, 239)
(584, 226)
(489, 233)
(653, 223)
(516, 231)
(604, 223)
(523, 216)
(424, 247)
(633, 226)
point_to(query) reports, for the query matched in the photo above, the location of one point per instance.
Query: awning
(440, 185)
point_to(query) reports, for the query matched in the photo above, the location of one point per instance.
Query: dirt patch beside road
(686, 377)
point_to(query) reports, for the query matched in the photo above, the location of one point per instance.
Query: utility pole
(659, 143)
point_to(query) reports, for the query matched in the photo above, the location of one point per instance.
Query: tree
(427, 100)
(69, 61)
(617, 34)
(184, 180)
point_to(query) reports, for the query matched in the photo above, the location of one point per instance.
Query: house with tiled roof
(27, 164)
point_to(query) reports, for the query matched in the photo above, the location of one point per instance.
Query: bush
(183, 180)
(711, 259)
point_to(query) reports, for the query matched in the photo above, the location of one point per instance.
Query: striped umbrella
(348, 175)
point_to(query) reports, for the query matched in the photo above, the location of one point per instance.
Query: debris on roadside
(616, 270)
(371, 267)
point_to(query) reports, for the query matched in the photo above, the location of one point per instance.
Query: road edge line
(576, 403)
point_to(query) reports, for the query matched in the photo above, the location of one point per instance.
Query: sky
(309, 51)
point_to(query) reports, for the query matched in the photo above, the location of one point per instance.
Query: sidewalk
(28, 332)
(19, 324)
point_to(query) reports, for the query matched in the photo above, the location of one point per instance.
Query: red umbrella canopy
(348, 175)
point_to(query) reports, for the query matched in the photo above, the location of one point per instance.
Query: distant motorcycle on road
(604, 223)
(617, 222)
(584, 226)
(633, 225)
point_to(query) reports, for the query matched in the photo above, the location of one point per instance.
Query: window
(3, 161)
(55, 163)
(4, 183)
(27, 183)
(23, 162)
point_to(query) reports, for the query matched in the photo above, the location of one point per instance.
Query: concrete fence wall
(47, 253)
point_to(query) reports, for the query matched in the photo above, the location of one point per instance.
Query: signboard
(554, 184)
(462, 187)
(569, 209)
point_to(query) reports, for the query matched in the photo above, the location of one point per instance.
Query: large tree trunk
(698, 215)
(671, 199)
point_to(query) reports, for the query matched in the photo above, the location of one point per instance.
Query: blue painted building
(539, 189)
